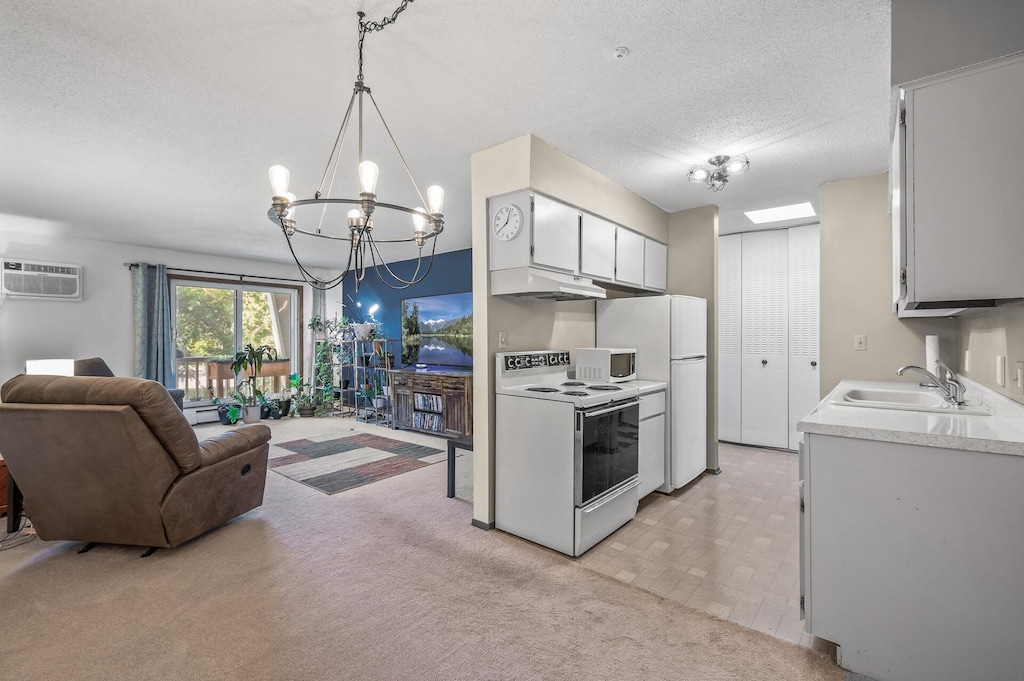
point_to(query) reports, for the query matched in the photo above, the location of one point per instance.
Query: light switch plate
(1020, 377)
(502, 340)
(860, 342)
(1001, 370)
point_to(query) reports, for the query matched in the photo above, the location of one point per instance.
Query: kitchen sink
(907, 400)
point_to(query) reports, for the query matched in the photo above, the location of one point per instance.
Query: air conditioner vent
(34, 279)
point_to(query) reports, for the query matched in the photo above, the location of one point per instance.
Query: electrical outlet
(1001, 370)
(1020, 377)
(967, 361)
(860, 342)
(502, 340)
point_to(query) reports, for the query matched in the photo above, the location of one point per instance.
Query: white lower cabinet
(911, 557)
(652, 443)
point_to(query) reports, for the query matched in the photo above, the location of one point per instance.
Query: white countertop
(647, 387)
(1000, 432)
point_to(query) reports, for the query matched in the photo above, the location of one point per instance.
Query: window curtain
(151, 307)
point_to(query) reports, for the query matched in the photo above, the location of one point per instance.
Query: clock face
(507, 222)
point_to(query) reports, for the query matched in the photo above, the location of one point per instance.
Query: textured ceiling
(153, 123)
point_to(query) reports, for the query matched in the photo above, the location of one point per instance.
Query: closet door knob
(764, 362)
(813, 363)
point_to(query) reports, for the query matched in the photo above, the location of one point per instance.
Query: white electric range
(566, 452)
(544, 375)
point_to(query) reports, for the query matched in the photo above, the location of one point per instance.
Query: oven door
(607, 449)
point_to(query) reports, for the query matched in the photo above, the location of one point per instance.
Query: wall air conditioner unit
(33, 279)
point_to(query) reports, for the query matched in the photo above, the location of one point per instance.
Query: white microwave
(606, 365)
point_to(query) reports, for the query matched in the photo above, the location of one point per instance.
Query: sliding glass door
(213, 320)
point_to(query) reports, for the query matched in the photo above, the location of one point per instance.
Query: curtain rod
(241, 277)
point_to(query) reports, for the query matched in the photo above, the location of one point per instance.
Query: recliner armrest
(233, 443)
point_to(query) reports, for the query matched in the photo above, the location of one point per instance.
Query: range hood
(532, 282)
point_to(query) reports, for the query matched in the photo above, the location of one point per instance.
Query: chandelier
(426, 224)
(722, 168)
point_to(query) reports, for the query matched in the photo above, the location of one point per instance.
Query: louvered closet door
(765, 371)
(729, 378)
(804, 371)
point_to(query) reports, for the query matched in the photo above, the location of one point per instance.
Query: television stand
(439, 402)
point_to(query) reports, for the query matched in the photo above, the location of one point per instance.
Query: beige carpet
(385, 581)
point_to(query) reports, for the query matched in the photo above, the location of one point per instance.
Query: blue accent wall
(452, 272)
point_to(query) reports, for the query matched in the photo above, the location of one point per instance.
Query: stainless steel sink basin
(906, 400)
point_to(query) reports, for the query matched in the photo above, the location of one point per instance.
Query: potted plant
(249, 361)
(305, 404)
(228, 413)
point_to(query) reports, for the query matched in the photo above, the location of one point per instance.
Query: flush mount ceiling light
(791, 212)
(425, 226)
(722, 168)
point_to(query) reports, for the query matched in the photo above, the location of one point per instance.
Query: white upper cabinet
(959, 233)
(629, 258)
(556, 234)
(525, 229)
(655, 264)
(597, 248)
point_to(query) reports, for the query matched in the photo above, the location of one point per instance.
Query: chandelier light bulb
(419, 220)
(279, 179)
(368, 174)
(698, 174)
(435, 198)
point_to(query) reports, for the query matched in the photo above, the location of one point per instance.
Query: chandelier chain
(371, 26)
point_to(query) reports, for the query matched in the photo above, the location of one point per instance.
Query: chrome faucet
(952, 389)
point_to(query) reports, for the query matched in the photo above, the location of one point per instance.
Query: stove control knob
(565, 358)
(519, 362)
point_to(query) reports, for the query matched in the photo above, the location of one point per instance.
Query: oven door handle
(613, 494)
(617, 407)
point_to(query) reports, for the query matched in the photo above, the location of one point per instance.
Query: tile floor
(726, 544)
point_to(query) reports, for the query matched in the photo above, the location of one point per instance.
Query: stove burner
(543, 389)
(604, 387)
(573, 383)
(576, 393)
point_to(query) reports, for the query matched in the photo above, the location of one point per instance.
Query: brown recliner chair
(113, 460)
(95, 366)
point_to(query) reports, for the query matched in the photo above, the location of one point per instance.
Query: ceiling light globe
(738, 165)
(279, 179)
(435, 198)
(368, 174)
(698, 174)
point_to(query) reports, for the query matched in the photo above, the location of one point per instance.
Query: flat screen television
(437, 331)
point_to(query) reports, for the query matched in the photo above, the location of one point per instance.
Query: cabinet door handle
(764, 362)
(813, 363)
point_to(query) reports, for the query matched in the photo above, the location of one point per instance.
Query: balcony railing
(203, 378)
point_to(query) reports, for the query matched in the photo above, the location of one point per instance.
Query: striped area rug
(342, 463)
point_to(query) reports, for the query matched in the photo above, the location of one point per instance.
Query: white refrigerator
(670, 336)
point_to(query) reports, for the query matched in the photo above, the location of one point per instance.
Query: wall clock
(507, 222)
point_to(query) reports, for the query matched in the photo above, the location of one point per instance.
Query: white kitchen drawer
(652, 404)
(597, 520)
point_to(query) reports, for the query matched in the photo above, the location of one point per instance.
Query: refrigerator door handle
(690, 358)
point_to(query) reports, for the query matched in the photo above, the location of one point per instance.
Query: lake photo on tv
(438, 330)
